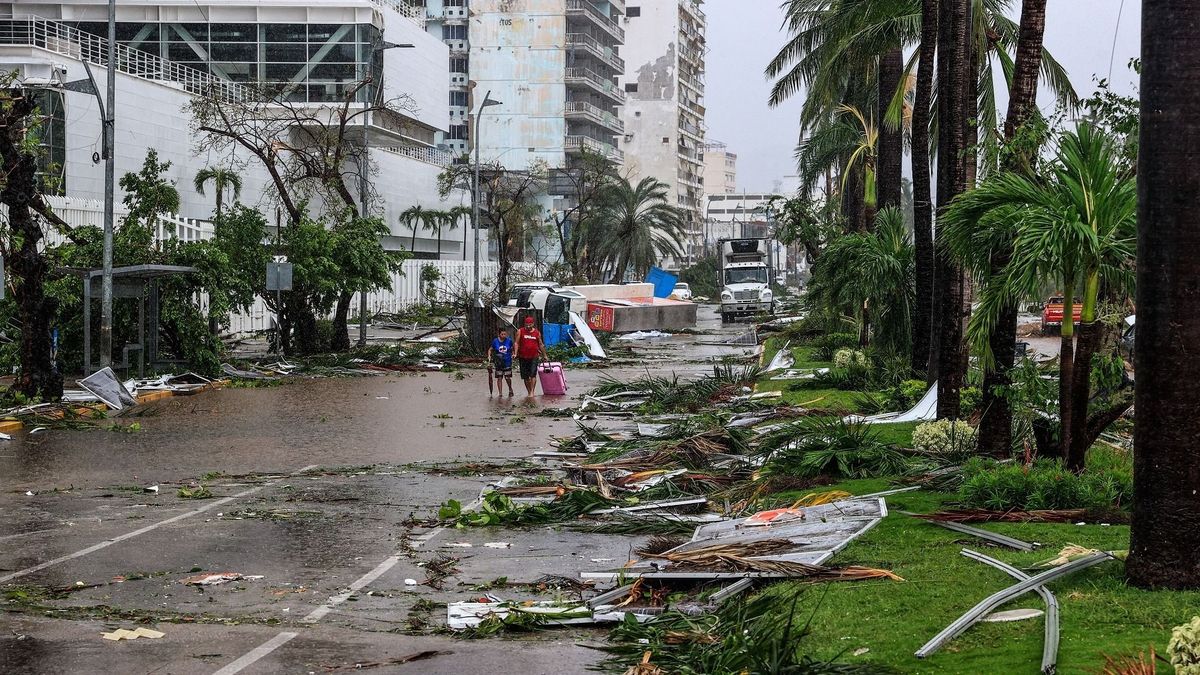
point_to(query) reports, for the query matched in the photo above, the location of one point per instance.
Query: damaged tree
(509, 206)
(579, 233)
(313, 155)
(21, 194)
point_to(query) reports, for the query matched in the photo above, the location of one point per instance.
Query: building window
(454, 32)
(458, 65)
(52, 140)
(458, 98)
(458, 132)
(631, 87)
(633, 12)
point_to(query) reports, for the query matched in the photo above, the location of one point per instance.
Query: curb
(9, 425)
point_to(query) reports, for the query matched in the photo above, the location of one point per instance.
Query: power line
(1113, 54)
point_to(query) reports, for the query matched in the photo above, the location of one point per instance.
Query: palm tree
(995, 425)
(454, 216)
(641, 226)
(1164, 547)
(416, 217)
(222, 179)
(922, 320)
(1073, 227)
(871, 274)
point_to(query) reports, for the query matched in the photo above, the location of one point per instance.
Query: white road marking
(252, 656)
(256, 654)
(149, 528)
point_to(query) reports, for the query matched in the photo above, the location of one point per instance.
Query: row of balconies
(595, 82)
(574, 145)
(589, 44)
(584, 111)
(585, 10)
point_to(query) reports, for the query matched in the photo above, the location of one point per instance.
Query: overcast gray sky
(743, 35)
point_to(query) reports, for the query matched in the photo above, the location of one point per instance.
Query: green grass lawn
(1099, 614)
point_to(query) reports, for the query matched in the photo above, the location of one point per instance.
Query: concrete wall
(420, 72)
(518, 52)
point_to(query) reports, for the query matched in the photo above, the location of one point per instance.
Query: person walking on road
(529, 347)
(499, 358)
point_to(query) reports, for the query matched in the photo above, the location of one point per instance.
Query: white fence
(455, 277)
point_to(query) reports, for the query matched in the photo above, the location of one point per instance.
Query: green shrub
(1184, 647)
(844, 358)
(969, 400)
(945, 438)
(1044, 485)
(826, 345)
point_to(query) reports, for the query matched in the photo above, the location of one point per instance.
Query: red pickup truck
(1052, 313)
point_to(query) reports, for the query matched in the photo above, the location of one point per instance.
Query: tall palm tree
(922, 320)
(1164, 549)
(641, 226)
(417, 217)
(949, 362)
(222, 180)
(1074, 227)
(457, 215)
(995, 425)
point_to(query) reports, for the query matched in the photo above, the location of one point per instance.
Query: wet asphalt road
(313, 491)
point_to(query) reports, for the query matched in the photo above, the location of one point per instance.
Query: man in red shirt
(529, 347)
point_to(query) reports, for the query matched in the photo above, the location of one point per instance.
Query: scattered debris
(105, 386)
(1050, 641)
(923, 411)
(1008, 615)
(217, 578)
(993, 537)
(996, 599)
(498, 544)
(125, 634)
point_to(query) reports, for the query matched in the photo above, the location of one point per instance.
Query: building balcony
(584, 111)
(574, 145)
(590, 80)
(590, 45)
(448, 14)
(459, 47)
(458, 81)
(584, 9)
(693, 8)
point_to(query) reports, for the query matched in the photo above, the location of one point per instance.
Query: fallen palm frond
(743, 636)
(670, 394)
(636, 526)
(499, 509)
(660, 544)
(818, 498)
(752, 557)
(1067, 554)
(986, 516)
(814, 446)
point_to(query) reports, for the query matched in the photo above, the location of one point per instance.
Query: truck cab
(745, 278)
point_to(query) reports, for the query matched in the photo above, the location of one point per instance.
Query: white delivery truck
(745, 278)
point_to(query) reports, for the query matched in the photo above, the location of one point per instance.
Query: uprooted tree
(315, 160)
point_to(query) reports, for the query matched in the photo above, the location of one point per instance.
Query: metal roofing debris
(823, 531)
(104, 384)
(783, 359)
(923, 411)
(1050, 640)
(998, 598)
(993, 537)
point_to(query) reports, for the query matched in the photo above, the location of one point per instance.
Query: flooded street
(314, 488)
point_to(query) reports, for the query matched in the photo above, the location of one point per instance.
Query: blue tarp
(664, 282)
(554, 333)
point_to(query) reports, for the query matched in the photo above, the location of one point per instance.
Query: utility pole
(487, 101)
(110, 169)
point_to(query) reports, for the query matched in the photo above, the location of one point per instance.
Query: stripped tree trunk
(954, 109)
(922, 324)
(891, 139)
(1165, 537)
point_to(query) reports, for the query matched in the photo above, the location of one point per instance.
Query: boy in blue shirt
(500, 358)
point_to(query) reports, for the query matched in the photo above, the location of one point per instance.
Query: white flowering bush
(1184, 648)
(945, 438)
(844, 358)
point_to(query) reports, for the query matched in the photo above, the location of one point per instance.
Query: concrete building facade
(171, 50)
(720, 169)
(664, 114)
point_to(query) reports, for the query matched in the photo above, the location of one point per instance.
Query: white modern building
(447, 20)
(720, 169)
(664, 83)
(170, 50)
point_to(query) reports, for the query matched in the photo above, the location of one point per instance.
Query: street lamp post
(363, 192)
(110, 169)
(487, 101)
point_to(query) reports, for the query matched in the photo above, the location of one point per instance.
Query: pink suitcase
(551, 376)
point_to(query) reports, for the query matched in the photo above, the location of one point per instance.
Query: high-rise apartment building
(664, 114)
(720, 169)
(448, 21)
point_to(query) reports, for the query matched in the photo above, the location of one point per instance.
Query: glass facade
(52, 141)
(308, 62)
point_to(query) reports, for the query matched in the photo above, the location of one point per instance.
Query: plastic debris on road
(125, 634)
(217, 578)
